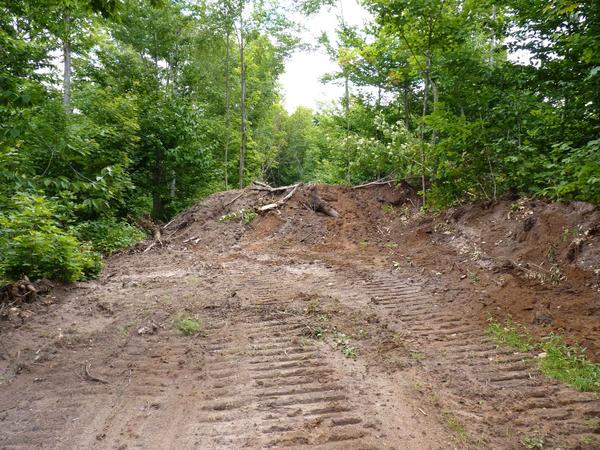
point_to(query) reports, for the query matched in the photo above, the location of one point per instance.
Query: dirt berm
(301, 330)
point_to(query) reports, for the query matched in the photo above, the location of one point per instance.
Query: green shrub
(108, 235)
(33, 244)
(187, 325)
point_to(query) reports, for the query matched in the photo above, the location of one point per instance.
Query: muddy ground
(365, 331)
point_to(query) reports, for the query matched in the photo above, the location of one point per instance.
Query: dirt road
(298, 347)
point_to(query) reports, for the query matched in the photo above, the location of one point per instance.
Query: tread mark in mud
(502, 379)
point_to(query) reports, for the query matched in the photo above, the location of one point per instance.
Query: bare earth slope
(365, 331)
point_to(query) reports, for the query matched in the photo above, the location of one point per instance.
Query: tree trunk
(227, 107)
(242, 102)
(347, 102)
(157, 203)
(425, 108)
(173, 188)
(406, 106)
(67, 65)
(434, 90)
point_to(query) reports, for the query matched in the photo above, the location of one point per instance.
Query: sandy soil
(366, 331)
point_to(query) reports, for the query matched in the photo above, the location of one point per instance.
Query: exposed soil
(365, 331)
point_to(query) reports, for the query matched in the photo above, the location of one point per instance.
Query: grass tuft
(187, 325)
(533, 442)
(569, 364)
(455, 425)
(557, 360)
(387, 208)
(510, 334)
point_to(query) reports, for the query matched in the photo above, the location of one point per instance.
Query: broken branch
(266, 187)
(283, 199)
(381, 181)
(234, 199)
(90, 377)
(149, 247)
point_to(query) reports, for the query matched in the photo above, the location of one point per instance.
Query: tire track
(470, 365)
(269, 387)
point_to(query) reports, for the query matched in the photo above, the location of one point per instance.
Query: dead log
(317, 204)
(282, 201)
(22, 290)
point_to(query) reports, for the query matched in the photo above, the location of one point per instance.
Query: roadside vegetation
(555, 358)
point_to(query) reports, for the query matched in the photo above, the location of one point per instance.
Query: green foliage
(569, 364)
(33, 244)
(152, 119)
(187, 325)
(342, 342)
(144, 126)
(108, 235)
(510, 334)
(246, 216)
(454, 107)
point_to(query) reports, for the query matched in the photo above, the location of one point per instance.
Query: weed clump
(246, 216)
(510, 334)
(569, 364)
(34, 242)
(187, 325)
(558, 360)
(455, 425)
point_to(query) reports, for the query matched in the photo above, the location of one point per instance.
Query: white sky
(304, 69)
(301, 81)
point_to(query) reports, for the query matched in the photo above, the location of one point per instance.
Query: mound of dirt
(535, 261)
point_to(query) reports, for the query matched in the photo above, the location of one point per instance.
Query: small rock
(147, 330)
